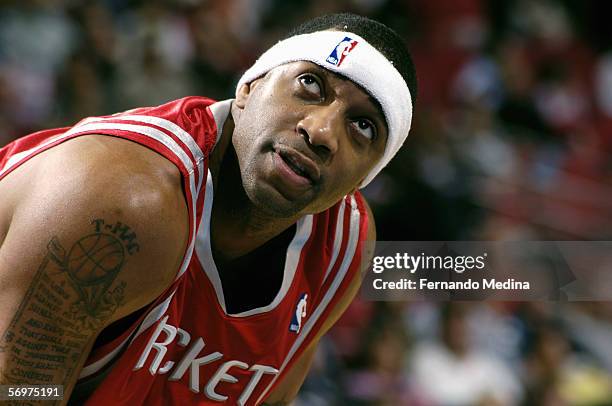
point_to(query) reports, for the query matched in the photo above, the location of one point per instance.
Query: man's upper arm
(289, 387)
(87, 245)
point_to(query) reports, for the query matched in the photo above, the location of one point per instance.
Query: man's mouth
(300, 164)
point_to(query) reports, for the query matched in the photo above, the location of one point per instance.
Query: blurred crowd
(511, 141)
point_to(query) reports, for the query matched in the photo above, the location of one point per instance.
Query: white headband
(350, 56)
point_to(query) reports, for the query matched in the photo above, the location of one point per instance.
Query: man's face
(304, 138)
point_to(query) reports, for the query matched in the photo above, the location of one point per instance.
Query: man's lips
(299, 163)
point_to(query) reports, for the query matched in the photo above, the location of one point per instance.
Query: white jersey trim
(337, 239)
(314, 317)
(179, 132)
(154, 315)
(220, 111)
(99, 364)
(151, 132)
(20, 156)
(204, 251)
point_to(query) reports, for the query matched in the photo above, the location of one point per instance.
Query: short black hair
(381, 37)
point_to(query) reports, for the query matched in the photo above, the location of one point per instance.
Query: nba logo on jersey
(341, 50)
(299, 314)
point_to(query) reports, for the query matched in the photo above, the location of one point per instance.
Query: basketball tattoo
(73, 293)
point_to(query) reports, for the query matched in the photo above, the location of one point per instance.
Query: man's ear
(244, 91)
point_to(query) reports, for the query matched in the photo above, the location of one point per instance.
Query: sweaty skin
(60, 211)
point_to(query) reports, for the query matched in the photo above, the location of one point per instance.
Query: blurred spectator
(449, 371)
(556, 375)
(155, 47)
(35, 39)
(380, 380)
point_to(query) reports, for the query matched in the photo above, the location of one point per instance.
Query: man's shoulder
(125, 184)
(103, 166)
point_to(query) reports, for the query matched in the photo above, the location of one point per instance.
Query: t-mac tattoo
(73, 293)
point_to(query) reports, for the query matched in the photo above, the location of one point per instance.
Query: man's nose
(321, 129)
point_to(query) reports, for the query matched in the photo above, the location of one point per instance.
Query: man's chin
(270, 201)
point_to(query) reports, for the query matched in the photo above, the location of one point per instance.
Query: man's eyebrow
(379, 108)
(326, 73)
(376, 104)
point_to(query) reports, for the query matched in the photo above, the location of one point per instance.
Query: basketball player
(196, 252)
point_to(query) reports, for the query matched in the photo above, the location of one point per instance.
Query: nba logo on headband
(341, 50)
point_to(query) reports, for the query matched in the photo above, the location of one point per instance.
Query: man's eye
(365, 127)
(310, 83)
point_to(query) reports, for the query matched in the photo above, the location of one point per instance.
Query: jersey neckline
(220, 112)
(292, 259)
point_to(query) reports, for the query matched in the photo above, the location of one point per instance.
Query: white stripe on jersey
(179, 132)
(346, 262)
(18, 157)
(149, 131)
(154, 315)
(337, 239)
(220, 111)
(99, 364)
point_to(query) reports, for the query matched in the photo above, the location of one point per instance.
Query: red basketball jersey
(187, 349)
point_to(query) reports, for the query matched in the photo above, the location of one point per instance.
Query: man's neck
(237, 225)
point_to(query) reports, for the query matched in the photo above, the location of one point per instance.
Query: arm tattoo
(72, 295)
